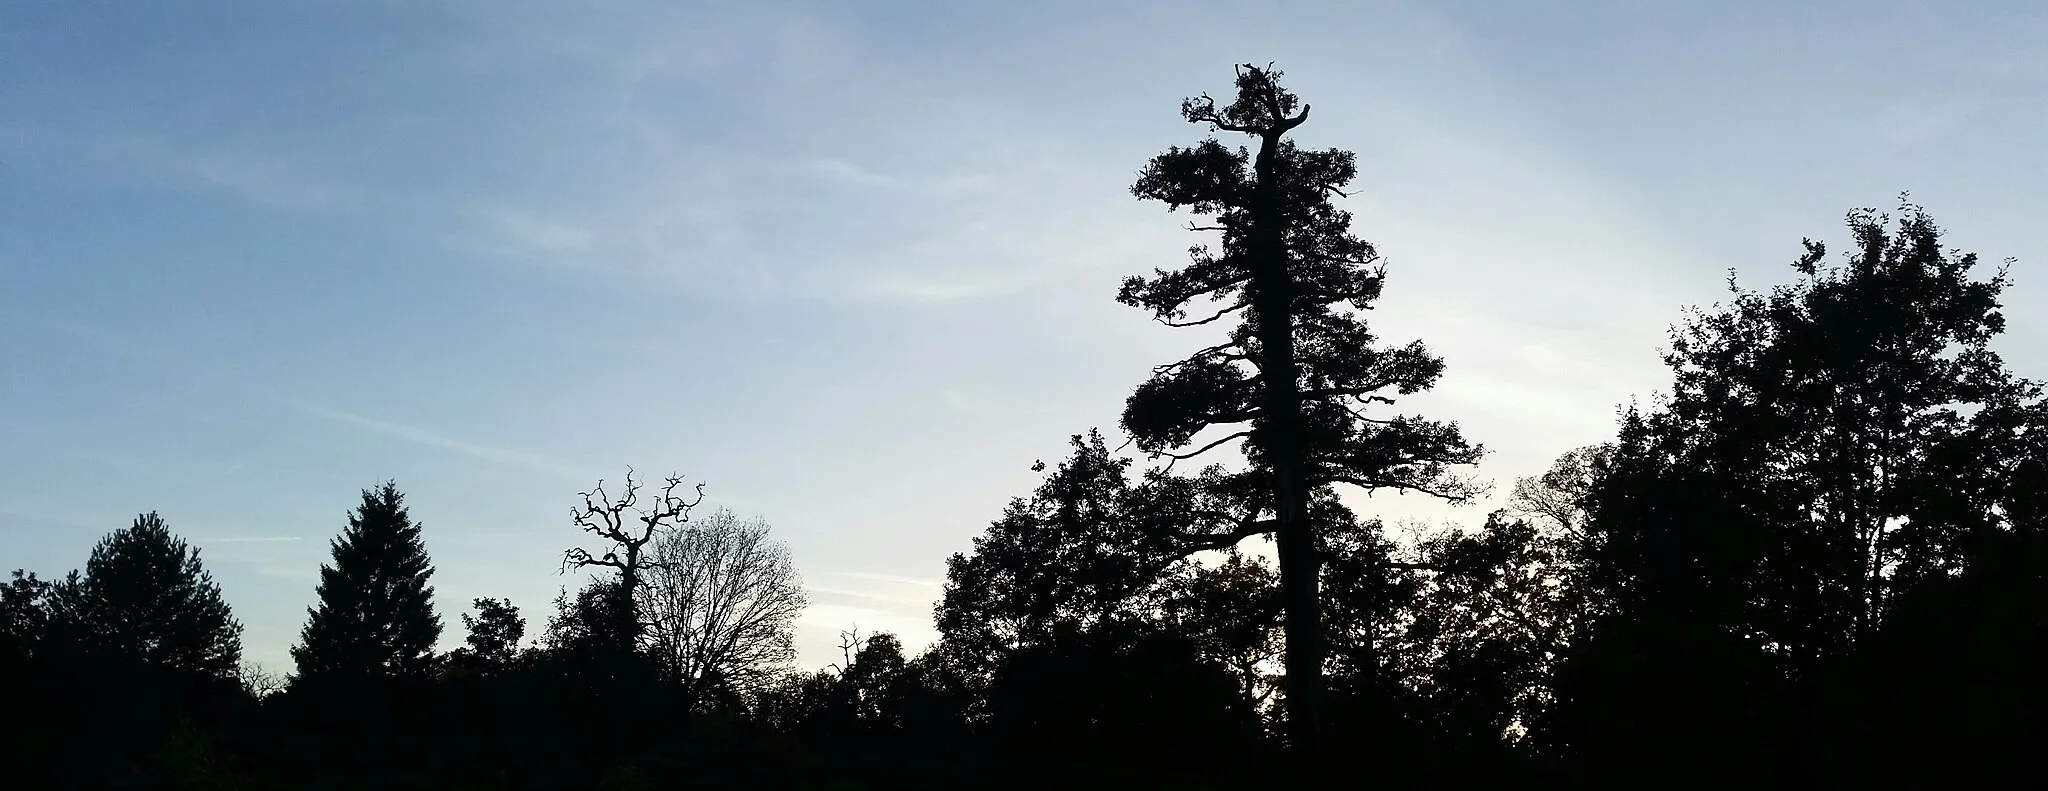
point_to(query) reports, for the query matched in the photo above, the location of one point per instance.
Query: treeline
(1818, 559)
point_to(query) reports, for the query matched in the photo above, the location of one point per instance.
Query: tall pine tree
(144, 596)
(1298, 370)
(376, 612)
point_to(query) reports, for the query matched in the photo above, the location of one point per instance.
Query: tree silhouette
(492, 645)
(868, 674)
(628, 554)
(719, 601)
(1830, 449)
(145, 596)
(1491, 612)
(1231, 612)
(1070, 557)
(25, 611)
(376, 611)
(586, 620)
(1298, 368)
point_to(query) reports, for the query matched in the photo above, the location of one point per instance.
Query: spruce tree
(376, 611)
(144, 596)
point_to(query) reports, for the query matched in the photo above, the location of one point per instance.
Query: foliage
(1835, 454)
(146, 597)
(24, 615)
(1298, 369)
(492, 645)
(1069, 557)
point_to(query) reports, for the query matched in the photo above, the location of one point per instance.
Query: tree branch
(1241, 305)
(1217, 351)
(1399, 486)
(1206, 448)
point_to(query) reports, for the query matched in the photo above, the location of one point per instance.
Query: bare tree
(614, 521)
(261, 682)
(719, 603)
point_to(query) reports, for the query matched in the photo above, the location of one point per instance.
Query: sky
(853, 265)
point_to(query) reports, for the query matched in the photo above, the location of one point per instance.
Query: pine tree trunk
(1300, 565)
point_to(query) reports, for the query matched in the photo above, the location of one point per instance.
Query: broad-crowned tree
(145, 596)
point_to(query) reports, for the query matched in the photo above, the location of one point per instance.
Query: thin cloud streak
(890, 578)
(248, 539)
(430, 439)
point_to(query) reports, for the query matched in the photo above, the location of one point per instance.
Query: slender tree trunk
(1300, 565)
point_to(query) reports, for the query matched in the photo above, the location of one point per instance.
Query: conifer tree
(1298, 371)
(376, 612)
(144, 596)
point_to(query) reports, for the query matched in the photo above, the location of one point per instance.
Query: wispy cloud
(882, 593)
(247, 539)
(528, 233)
(872, 601)
(431, 439)
(981, 408)
(848, 172)
(268, 183)
(265, 180)
(896, 579)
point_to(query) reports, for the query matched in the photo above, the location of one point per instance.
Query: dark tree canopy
(1069, 557)
(376, 612)
(1851, 434)
(492, 644)
(25, 611)
(588, 620)
(1835, 455)
(145, 596)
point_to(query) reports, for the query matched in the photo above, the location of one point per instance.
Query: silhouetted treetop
(627, 527)
(1293, 383)
(376, 614)
(25, 612)
(719, 603)
(492, 644)
(1069, 556)
(145, 596)
(1840, 458)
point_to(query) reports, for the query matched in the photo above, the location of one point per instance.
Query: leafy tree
(1070, 557)
(145, 596)
(1489, 613)
(586, 620)
(376, 612)
(25, 609)
(1297, 367)
(1833, 450)
(1231, 610)
(861, 691)
(494, 635)
(719, 604)
(1488, 619)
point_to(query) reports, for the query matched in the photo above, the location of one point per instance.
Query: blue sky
(853, 264)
